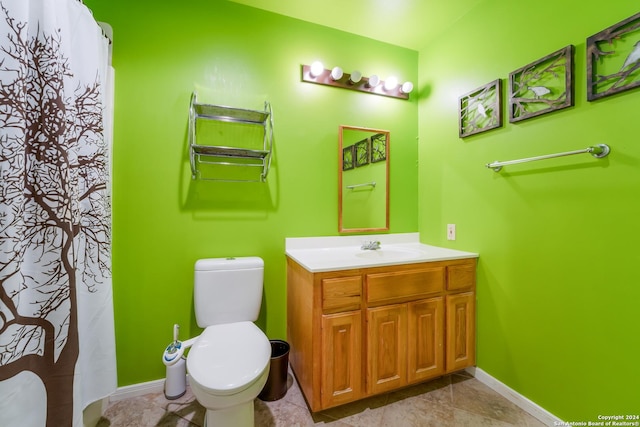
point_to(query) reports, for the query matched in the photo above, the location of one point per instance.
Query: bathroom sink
(345, 252)
(389, 254)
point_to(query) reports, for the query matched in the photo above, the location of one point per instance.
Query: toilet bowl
(228, 367)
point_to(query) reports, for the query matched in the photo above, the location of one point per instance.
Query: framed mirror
(363, 179)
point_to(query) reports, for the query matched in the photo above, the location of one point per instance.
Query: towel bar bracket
(600, 151)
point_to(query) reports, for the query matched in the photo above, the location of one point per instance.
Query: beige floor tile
(472, 396)
(148, 411)
(363, 413)
(294, 394)
(457, 400)
(469, 419)
(438, 390)
(281, 414)
(417, 411)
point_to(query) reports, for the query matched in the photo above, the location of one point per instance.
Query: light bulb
(316, 69)
(336, 73)
(406, 87)
(373, 81)
(355, 77)
(391, 83)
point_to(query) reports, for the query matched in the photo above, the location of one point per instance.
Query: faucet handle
(370, 245)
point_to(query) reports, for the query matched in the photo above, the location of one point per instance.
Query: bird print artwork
(633, 57)
(542, 86)
(613, 59)
(539, 91)
(481, 110)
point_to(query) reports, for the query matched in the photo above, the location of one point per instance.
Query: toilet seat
(227, 358)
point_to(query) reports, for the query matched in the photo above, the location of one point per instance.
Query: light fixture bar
(324, 78)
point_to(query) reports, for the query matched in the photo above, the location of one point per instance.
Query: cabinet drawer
(341, 294)
(461, 276)
(401, 286)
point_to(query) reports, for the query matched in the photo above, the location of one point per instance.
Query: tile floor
(456, 400)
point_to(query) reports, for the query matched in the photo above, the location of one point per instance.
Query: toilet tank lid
(230, 263)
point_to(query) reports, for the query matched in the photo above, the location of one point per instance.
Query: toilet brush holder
(175, 384)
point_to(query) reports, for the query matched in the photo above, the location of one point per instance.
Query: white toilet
(229, 362)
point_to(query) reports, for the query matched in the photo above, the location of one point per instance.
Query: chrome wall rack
(220, 155)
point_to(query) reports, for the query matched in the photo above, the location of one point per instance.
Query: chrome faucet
(371, 245)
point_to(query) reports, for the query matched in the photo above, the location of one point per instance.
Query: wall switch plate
(451, 232)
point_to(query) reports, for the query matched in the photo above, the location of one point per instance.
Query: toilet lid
(229, 357)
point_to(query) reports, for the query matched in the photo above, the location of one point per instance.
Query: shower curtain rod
(598, 151)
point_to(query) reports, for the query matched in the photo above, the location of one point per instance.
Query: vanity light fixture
(391, 83)
(336, 73)
(406, 87)
(316, 69)
(316, 73)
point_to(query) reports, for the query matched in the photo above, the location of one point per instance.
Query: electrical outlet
(451, 232)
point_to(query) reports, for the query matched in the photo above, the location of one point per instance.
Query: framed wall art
(361, 153)
(378, 148)
(613, 59)
(347, 158)
(480, 110)
(541, 87)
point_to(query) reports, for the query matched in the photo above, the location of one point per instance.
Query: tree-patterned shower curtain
(57, 346)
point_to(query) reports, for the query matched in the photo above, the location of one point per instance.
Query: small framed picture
(378, 148)
(613, 59)
(362, 152)
(347, 158)
(543, 86)
(480, 110)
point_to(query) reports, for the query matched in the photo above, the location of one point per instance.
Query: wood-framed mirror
(363, 179)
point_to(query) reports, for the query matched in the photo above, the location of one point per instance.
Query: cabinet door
(461, 331)
(386, 348)
(425, 339)
(341, 358)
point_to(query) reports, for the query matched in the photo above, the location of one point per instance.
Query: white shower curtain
(57, 345)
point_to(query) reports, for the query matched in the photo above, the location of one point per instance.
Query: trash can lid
(229, 357)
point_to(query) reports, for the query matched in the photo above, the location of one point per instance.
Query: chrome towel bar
(366, 184)
(598, 151)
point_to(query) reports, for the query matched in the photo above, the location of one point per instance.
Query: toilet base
(237, 416)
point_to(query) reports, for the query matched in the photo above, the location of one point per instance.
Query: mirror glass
(363, 179)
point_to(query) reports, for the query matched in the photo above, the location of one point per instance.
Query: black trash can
(276, 385)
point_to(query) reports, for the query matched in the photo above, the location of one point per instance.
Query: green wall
(163, 221)
(558, 292)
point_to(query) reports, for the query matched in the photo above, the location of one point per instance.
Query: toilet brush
(175, 384)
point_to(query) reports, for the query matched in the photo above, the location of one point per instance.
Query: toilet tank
(227, 290)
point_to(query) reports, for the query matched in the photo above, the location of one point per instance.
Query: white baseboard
(514, 397)
(135, 390)
(140, 389)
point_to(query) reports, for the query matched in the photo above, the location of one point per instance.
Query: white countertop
(318, 254)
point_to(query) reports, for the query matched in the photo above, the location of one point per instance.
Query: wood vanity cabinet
(356, 333)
